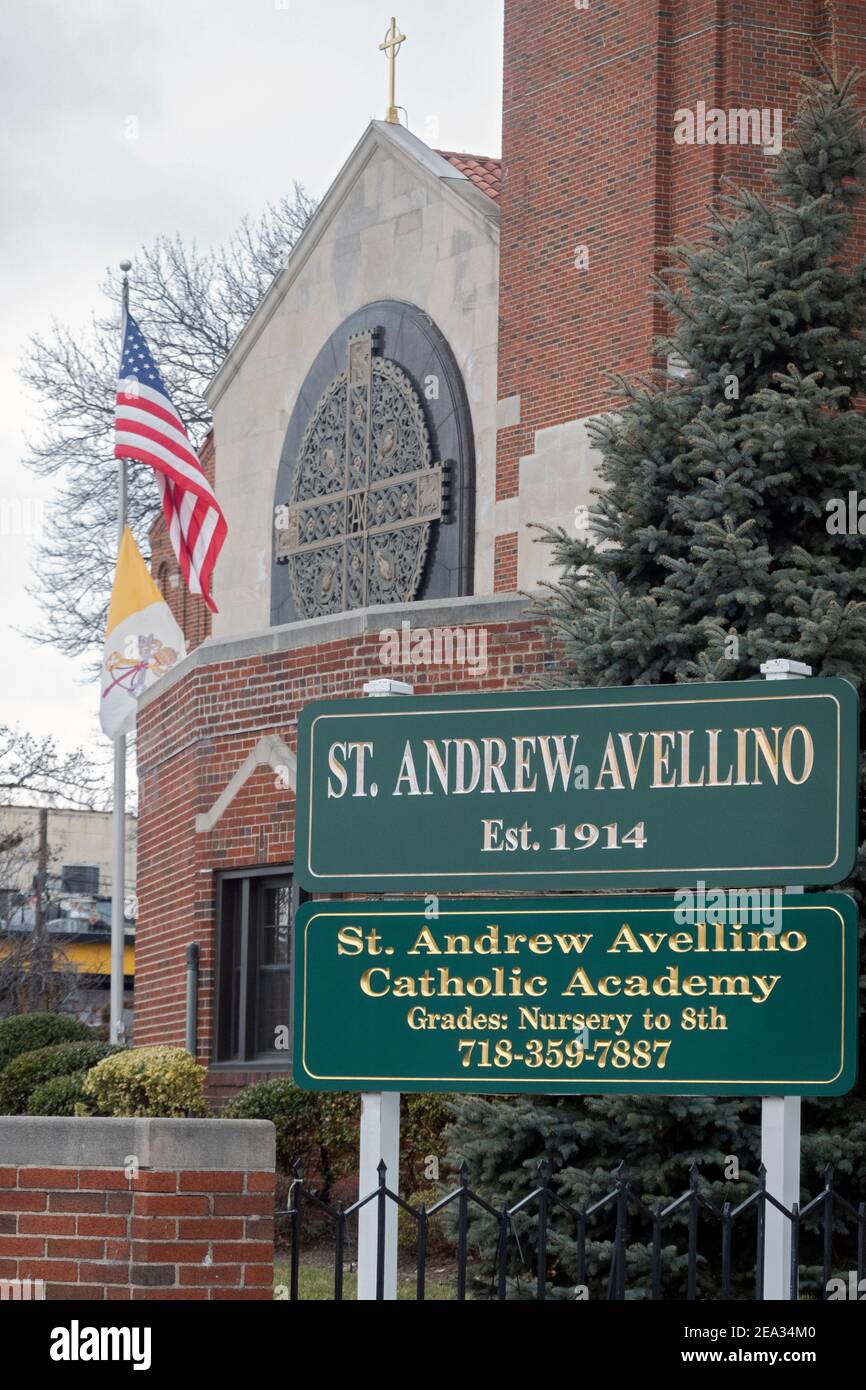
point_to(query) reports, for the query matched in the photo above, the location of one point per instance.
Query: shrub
(322, 1129)
(441, 1239)
(319, 1128)
(29, 1032)
(62, 1095)
(294, 1114)
(20, 1078)
(164, 1081)
(340, 1131)
(422, 1123)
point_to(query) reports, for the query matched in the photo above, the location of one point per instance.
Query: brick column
(138, 1209)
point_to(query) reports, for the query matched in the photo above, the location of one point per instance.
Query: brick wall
(194, 1221)
(197, 728)
(190, 611)
(505, 563)
(589, 158)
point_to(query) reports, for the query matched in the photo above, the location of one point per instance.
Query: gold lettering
(625, 938)
(350, 941)
(461, 747)
(367, 981)
(742, 779)
(610, 768)
(632, 764)
(438, 762)
(770, 755)
(493, 765)
(425, 941)
(808, 755)
(685, 758)
(521, 758)
(694, 984)
(713, 778)
(661, 758)
(339, 771)
(792, 941)
(408, 774)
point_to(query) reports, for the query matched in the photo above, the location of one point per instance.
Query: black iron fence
(616, 1247)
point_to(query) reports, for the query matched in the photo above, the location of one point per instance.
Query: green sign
(591, 995)
(752, 782)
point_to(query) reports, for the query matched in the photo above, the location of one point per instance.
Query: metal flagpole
(118, 874)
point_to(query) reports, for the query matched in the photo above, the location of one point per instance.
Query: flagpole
(118, 875)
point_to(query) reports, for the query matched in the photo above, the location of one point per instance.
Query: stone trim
(508, 412)
(29, 1141)
(471, 611)
(413, 154)
(270, 751)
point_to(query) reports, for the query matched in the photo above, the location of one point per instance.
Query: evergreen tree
(715, 544)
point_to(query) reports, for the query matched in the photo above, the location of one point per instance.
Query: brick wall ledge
(194, 1145)
(472, 611)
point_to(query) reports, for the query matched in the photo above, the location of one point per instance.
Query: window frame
(250, 987)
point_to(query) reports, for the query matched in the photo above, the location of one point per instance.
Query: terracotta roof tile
(485, 173)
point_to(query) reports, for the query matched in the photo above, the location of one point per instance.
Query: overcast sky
(232, 100)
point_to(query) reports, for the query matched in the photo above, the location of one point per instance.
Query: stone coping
(31, 1141)
(471, 611)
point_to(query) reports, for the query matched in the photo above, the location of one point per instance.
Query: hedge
(30, 1032)
(20, 1078)
(319, 1128)
(62, 1095)
(322, 1129)
(163, 1081)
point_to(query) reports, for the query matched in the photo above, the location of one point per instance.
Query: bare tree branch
(191, 305)
(37, 768)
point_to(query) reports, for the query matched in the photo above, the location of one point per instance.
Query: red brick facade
(505, 563)
(589, 160)
(190, 611)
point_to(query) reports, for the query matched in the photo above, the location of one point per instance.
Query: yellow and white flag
(142, 640)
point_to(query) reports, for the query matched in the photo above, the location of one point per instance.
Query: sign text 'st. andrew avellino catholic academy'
(644, 787)
(582, 995)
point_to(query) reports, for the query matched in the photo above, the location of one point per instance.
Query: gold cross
(393, 43)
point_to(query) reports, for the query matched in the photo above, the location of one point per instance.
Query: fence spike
(547, 1209)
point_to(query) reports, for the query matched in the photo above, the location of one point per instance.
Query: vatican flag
(142, 640)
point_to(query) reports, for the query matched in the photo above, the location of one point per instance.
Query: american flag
(149, 430)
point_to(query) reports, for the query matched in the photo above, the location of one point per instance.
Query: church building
(410, 395)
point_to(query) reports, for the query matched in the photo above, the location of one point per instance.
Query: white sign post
(780, 1119)
(380, 1142)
